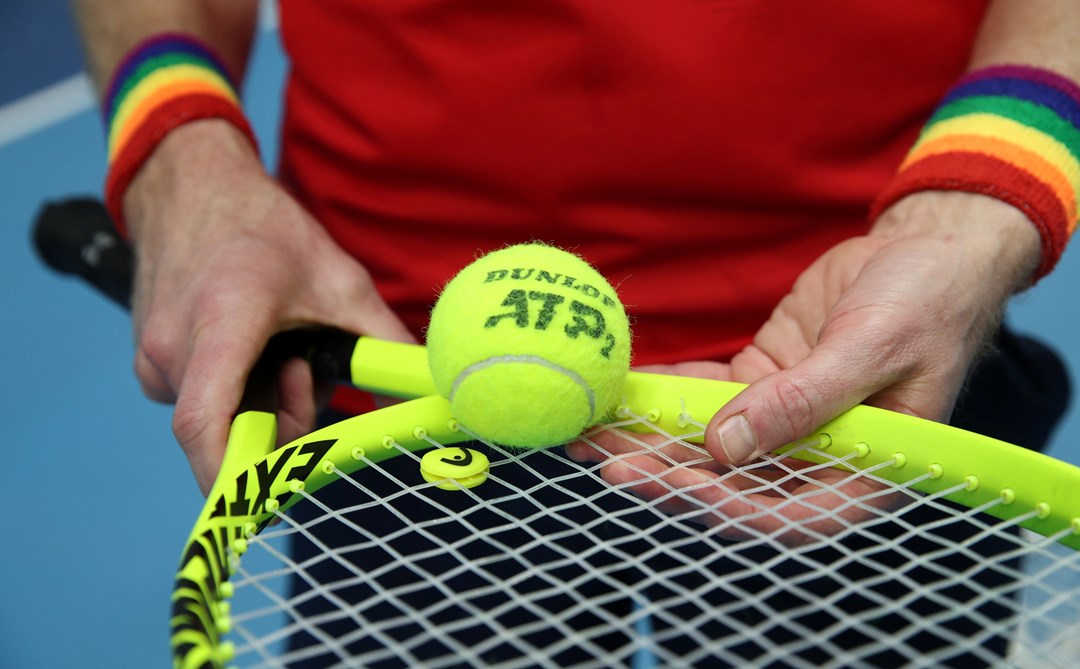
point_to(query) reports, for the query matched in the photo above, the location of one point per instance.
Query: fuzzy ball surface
(530, 345)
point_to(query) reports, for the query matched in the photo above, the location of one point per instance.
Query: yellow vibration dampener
(454, 467)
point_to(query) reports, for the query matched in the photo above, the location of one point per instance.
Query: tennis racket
(395, 538)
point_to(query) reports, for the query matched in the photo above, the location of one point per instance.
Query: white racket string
(547, 564)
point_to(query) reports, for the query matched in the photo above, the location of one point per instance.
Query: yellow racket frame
(256, 481)
(1025, 481)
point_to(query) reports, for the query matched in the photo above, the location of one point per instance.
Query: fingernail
(737, 439)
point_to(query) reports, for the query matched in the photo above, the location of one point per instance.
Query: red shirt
(701, 153)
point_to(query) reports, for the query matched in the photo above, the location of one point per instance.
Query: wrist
(167, 179)
(988, 238)
(1011, 133)
(164, 83)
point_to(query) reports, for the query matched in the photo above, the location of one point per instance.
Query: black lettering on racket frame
(880, 540)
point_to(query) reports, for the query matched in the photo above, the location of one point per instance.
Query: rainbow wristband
(1010, 132)
(162, 83)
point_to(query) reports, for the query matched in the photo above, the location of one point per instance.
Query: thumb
(790, 404)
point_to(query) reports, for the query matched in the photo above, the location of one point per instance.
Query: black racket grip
(76, 237)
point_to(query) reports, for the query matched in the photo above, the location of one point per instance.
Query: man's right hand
(226, 258)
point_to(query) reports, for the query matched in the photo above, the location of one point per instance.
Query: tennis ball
(530, 345)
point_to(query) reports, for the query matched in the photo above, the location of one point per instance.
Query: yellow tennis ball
(531, 346)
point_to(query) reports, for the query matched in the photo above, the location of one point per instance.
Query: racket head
(662, 414)
(1022, 488)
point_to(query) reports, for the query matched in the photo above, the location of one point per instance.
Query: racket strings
(546, 564)
(1052, 622)
(988, 624)
(450, 548)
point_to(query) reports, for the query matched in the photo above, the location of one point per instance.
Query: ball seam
(532, 360)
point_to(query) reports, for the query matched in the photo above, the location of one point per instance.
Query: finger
(651, 477)
(653, 480)
(789, 334)
(794, 327)
(701, 496)
(297, 406)
(210, 393)
(699, 369)
(152, 380)
(159, 351)
(789, 404)
(752, 364)
(794, 502)
(611, 443)
(742, 509)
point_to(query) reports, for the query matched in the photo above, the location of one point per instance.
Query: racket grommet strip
(899, 460)
(654, 414)
(226, 590)
(824, 440)
(1008, 496)
(388, 442)
(1043, 510)
(971, 483)
(327, 467)
(935, 471)
(226, 651)
(419, 433)
(1075, 525)
(862, 449)
(357, 453)
(271, 505)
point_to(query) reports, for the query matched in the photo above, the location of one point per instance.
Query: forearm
(183, 79)
(993, 244)
(1043, 33)
(111, 27)
(1002, 135)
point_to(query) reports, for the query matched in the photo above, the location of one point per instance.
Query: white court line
(268, 15)
(74, 95)
(49, 106)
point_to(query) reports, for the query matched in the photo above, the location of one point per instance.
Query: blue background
(99, 497)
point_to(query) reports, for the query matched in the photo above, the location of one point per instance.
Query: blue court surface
(98, 496)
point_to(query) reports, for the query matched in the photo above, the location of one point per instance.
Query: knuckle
(189, 423)
(155, 357)
(793, 406)
(153, 384)
(359, 287)
(893, 338)
(156, 346)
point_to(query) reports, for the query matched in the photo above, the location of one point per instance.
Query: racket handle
(77, 237)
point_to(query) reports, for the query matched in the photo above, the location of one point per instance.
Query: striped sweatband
(1010, 132)
(164, 82)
